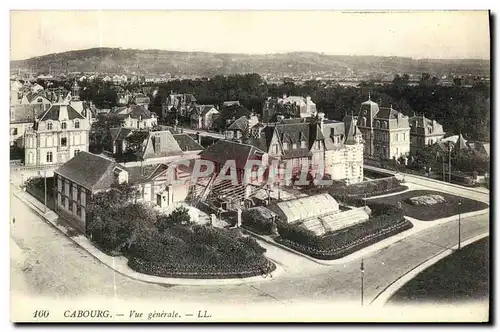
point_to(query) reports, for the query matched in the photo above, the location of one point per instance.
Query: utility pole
(362, 268)
(444, 173)
(459, 224)
(449, 162)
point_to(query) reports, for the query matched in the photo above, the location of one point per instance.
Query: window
(63, 125)
(13, 131)
(39, 100)
(397, 137)
(294, 146)
(77, 124)
(404, 136)
(62, 200)
(79, 210)
(285, 146)
(377, 123)
(303, 145)
(49, 156)
(76, 152)
(64, 141)
(71, 190)
(70, 206)
(49, 126)
(275, 148)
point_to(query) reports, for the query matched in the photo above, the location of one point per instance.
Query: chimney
(321, 117)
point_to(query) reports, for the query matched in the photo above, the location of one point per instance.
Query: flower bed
(347, 249)
(200, 271)
(198, 252)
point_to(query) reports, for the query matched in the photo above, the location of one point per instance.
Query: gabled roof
(461, 144)
(240, 124)
(224, 150)
(91, 171)
(159, 144)
(187, 143)
(54, 113)
(120, 133)
(204, 109)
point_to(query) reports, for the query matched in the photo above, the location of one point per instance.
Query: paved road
(46, 263)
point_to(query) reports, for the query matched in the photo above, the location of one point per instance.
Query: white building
(58, 135)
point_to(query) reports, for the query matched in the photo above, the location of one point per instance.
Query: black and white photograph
(174, 166)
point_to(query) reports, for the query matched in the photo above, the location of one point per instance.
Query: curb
(384, 296)
(149, 278)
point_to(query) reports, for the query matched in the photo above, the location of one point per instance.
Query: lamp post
(362, 269)
(459, 223)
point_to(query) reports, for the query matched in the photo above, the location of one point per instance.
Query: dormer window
(285, 146)
(294, 146)
(303, 145)
(63, 125)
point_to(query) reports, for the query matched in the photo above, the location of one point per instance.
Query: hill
(116, 60)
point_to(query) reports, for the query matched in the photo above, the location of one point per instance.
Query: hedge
(386, 220)
(198, 252)
(257, 223)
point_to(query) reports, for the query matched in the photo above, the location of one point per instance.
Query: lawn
(462, 276)
(437, 211)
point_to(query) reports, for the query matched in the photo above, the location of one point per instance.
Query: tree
(180, 216)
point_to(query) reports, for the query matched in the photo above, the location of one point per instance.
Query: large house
(204, 116)
(87, 174)
(58, 135)
(386, 132)
(291, 106)
(302, 143)
(134, 117)
(424, 132)
(22, 119)
(152, 146)
(179, 103)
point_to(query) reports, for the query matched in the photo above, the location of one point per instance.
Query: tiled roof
(224, 150)
(187, 143)
(119, 133)
(54, 113)
(91, 171)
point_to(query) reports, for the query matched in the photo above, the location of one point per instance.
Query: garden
(385, 221)
(35, 186)
(170, 246)
(441, 209)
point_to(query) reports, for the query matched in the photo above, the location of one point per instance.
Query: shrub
(180, 216)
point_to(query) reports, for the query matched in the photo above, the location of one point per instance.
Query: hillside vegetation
(209, 64)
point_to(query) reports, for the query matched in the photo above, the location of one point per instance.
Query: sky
(436, 34)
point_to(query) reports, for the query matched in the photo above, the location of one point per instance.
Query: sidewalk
(418, 226)
(119, 264)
